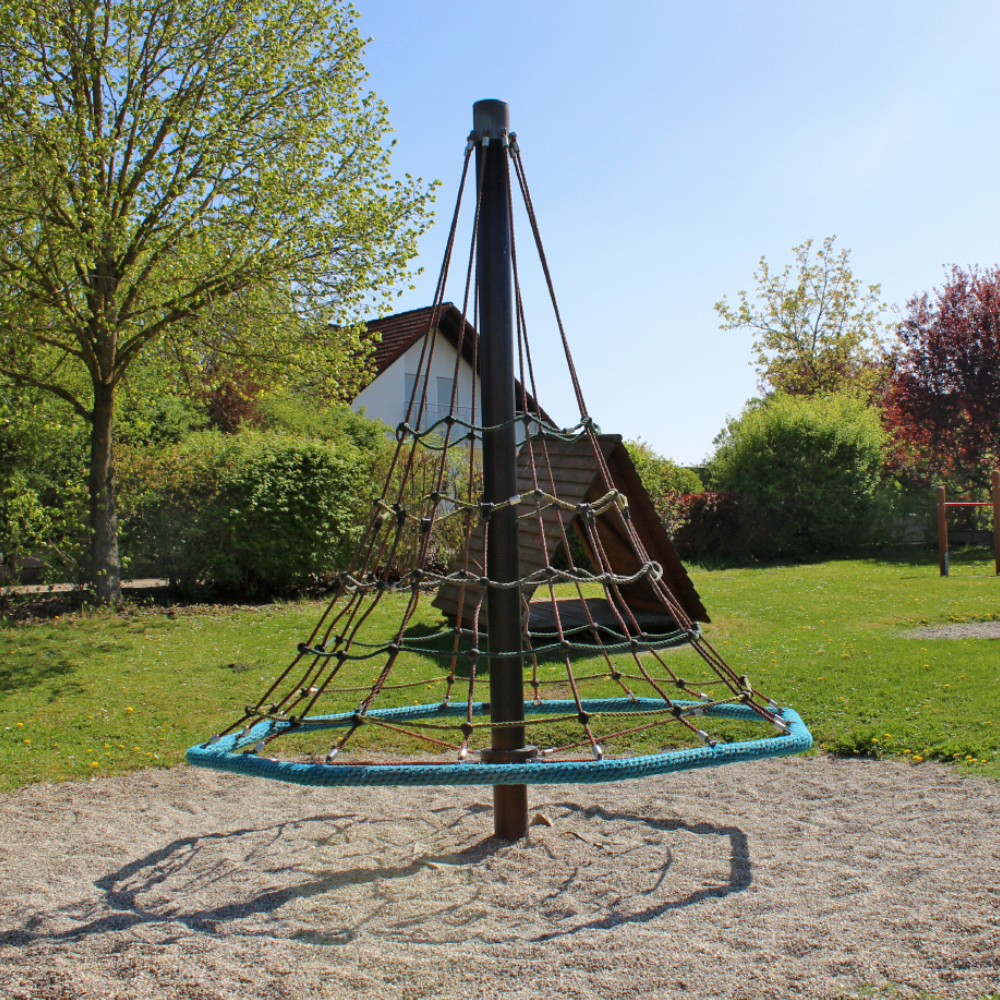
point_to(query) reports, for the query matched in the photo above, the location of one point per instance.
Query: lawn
(95, 693)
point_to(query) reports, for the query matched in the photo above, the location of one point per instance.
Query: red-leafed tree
(942, 401)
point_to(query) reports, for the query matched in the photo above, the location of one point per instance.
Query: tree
(817, 329)
(188, 180)
(942, 400)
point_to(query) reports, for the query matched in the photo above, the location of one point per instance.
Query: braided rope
(228, 754)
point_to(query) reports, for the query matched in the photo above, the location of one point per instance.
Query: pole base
(510, 811)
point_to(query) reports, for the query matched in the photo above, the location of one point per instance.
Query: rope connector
(332, 754)
(486, 510)
(514, 500)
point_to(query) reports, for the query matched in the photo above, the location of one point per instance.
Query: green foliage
(817, 331)
(805, 473)
(308, 417)
(201, 185)
(667, 483)
(248, 515)
(42, 491)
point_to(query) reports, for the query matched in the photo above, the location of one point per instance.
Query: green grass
(101, 694)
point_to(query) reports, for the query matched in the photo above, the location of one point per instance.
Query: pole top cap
(491, 116)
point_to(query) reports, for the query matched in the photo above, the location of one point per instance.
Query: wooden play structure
(942, 520)
(576, 478)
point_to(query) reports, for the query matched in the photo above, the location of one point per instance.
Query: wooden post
(942, 530)
(995, 477)
(496, 328)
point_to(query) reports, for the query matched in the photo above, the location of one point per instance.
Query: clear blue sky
(669, 145)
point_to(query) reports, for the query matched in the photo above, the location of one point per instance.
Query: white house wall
(386, 398)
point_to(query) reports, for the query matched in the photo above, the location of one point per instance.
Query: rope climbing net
(608, 696)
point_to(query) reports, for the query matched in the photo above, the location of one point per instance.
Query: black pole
(491, 121)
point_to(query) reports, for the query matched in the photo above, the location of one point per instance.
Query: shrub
(43, 499)
(804, 473)
(669, 486)
(249, 515)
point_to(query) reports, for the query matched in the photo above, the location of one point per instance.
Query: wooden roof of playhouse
(401, 330)
(577, 480)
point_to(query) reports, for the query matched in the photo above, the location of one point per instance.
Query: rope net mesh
(601, 676)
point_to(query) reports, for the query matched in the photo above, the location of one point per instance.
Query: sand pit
(807, 877)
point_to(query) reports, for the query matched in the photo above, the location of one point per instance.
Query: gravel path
(808, 877)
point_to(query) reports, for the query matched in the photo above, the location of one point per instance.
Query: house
(397, 361)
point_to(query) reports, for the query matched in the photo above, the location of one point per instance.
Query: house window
(445, 387)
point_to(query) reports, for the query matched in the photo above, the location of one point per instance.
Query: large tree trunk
(105, 566)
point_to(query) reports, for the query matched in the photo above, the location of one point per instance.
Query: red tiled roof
(401, 330)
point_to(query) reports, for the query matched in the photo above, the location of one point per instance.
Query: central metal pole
(491, 120)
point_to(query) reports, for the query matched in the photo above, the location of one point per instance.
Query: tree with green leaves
(816, 327)
(189, 182)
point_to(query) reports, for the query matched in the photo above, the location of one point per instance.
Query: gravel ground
(807, 877)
